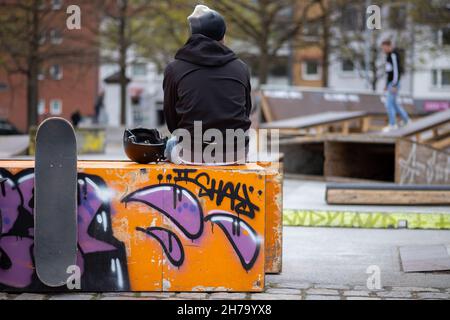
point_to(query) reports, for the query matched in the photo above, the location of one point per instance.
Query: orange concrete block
(151, 228)
(274, 216)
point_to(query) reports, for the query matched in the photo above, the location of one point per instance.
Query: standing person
(76, 118)
(393, 75)
(98, 106)
(206, 82)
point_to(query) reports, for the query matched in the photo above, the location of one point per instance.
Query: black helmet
(144, 145)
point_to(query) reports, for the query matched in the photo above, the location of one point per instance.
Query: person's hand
(394, 89)
(385, 89)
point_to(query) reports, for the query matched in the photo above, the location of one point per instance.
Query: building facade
(68, 72)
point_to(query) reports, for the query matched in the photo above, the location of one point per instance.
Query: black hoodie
(208, 83)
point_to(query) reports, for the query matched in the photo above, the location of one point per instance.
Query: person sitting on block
(208, 86)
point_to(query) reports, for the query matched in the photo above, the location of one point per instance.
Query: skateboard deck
(55, 201)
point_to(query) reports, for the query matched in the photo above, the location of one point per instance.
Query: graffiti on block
(183, 209)
(140, 234)
(419, 164)
(101, 257)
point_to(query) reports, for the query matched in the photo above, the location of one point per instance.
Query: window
(397, 17)
(311, 31)
(441, 78)
(41, 4)
(352, 18)
(347, 66)
(56, 72)
(139, 69)
(41, 107)
(311, 70)
(55, 107)
(41, 74)
(445, 78)
(42, 38)
(56, 4)
(445, 37)
(55, 36)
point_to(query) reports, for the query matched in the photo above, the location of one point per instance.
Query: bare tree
(265, 25)
(122, 28)
(24, 26)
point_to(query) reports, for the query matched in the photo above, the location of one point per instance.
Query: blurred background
(106, 68)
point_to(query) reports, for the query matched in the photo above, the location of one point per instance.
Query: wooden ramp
(387, 194)
(433, 130)
(280, 103)
(321, 121)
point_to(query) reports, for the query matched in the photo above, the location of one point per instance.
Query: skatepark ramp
(280, 103)
(366, 157)
(387, 194)
(317, 124)
(433, 130)
(13, 146)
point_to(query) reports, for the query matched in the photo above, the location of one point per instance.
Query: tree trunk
(373, 64)
(123, 81)
(263, 67)
(32, 94)
(33, 71)
(325, 43)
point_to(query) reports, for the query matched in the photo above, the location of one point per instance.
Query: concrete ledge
(90, 140)
(368, 220)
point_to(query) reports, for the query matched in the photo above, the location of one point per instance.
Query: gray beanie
(207, 22)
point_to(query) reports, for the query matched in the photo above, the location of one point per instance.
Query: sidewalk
(324, 263)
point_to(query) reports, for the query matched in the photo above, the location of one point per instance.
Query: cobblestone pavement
(293, 291)
(315, 270)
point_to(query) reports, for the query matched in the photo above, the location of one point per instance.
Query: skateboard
(55, 201)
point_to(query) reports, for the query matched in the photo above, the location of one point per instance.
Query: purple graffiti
(16, 232)
(16, 261)
(89, 203)
(98, 249)
(177, 203)
(242, 237)
(170, 243)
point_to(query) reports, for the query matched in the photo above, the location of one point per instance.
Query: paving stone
(267, 296)
(320, 297)
(123, 298)
(193, 295)
(73, 296)
(283, 291)
(362, 298)
(121, 294)
(355, 293)
(160, 295)
(227, 296)
(293, 285)
(364, 288)
(394, 294)
(331, 286)
(29, 296)
(322, 292)
(415, 289)
(433, 295)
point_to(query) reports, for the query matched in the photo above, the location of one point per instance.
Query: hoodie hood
(204, 51)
